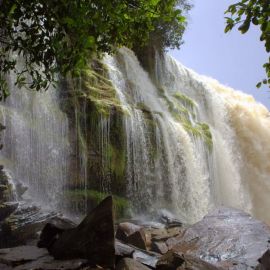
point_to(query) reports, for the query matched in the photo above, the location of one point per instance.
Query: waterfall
(192, 144)
(36, 146)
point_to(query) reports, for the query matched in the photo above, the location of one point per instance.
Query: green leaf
(258, 85)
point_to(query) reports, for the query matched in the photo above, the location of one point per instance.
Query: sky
(233, 59)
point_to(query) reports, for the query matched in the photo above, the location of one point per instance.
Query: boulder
(145, 257)
(159, 247)
(23, 225)
(32, 257)
(125, 229)
(132, 234)
(169, 261)
(137, 239)
(92, 239)
(21, 254)
(48, 263)
(225, 239)
(264, 261)
(172, 261)
(169, 219)
(130, 264)
(123, 250)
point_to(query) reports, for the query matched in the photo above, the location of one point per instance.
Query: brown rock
(225, 239)
(159, 247)
(48, 263)
(169, 261)
(264, 261)
(137, 239)
(92, 239)
(125, 229)
(145, 257)
(21, 254)
(130, 264)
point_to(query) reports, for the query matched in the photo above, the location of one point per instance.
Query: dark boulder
(92, 239)
(264, 261)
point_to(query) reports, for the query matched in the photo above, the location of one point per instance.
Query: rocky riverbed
(224, 239)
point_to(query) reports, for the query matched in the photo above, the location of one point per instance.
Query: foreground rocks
(92, 239)
(226, 239)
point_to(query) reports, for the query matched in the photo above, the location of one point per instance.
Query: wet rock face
(224, 239)
(31, 257)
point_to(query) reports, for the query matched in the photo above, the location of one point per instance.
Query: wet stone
(159, 247)
(48, 263)
(225, 239)
(130, 264)
(18, 255)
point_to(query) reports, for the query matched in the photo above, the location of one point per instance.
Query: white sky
(233, 59)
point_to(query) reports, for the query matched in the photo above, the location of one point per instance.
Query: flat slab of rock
(145, 257)
(225, 239)
(130, 264)
(31, 257)
(21, 254)
(48, 263)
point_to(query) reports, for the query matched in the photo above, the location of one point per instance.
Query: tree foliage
(56, 37)
(168, 31)
(256, 12)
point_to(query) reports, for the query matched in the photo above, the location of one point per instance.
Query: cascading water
(36, 147)
(192, 143)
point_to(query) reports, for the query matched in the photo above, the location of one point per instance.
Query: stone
(92, 239)
(21, 254)
(125, 229)
(169, 219)
(169, 261)
(159, 247)
(225, 239)
(130, 264)
(23, 225)
(165, 234)
(172, 261)
(264, 261)
(137, 239)
(123, 250)
(145, 257)
(48, 263)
